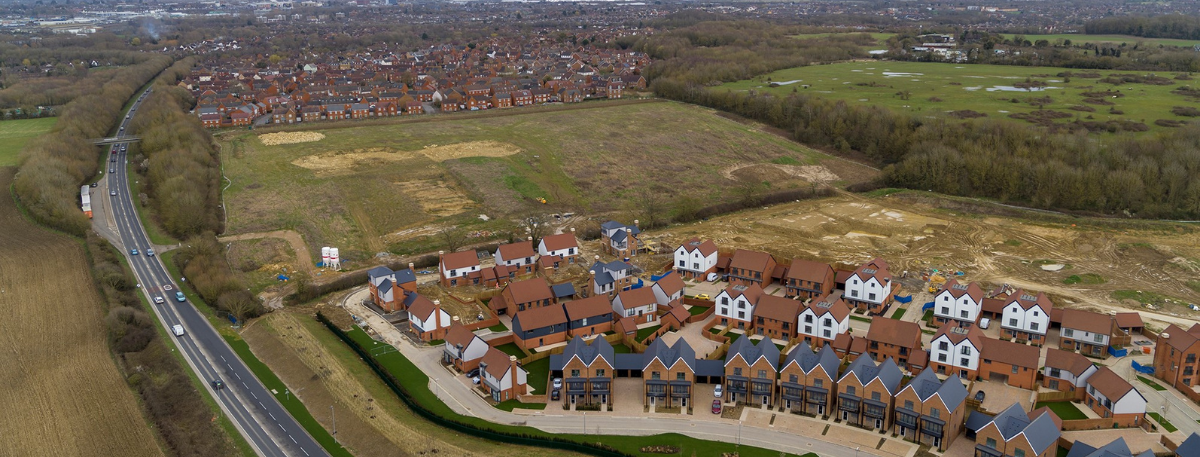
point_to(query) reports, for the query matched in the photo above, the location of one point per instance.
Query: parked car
(717, 391)
(473, 373)
(554, 396)
(713, 277)
(703, 297)
(475, 380)
(979, 396)
(716, 407)
(217, 384)
(557, 383)
(133, 251)
(93, 184)
(984, 322)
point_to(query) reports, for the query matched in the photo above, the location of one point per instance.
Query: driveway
(692, 334)
(1000, 396)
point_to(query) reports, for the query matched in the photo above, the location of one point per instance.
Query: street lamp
(585, 422)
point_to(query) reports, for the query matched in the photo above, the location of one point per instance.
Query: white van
(984, 322)
(178, 330)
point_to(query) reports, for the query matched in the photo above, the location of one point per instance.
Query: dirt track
(294, 240)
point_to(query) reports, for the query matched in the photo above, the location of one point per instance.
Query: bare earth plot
(911, 235)
(62, 392)
(364, 187)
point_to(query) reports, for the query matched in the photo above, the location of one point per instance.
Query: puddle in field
(973, 88)
(889, 74)
(1019, 89)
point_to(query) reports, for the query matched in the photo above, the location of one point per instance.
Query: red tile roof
(461, 259)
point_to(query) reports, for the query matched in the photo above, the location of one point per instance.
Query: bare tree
(454, 237)
(533, 225)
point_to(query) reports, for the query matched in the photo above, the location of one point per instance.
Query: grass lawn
(1166, 424)
(642, 333)
(538, 371)
(714, 331)
(733, 336)
(1064, 409)
(361, 182)
(697, 310)
(436, 342)
(860, 318)
(899, 313)
(1152, 384)
(927, 88)
(621, 349)
(511, 349)
(1086, 278)
(15, 133)
(498, 328)
(516, 404)
(417, 384)
(1110, 39)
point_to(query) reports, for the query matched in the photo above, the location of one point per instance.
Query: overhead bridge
(116, 140)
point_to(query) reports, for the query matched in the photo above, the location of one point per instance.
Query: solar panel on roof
(869, 271)
(739, 288)
(824, 304)
(958, 331)
(960, 287)
(1028, 297)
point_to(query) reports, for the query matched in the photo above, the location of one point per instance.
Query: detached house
(1067, 372)
(388, 287)
(893, 339)
(1013, 432)
(522, 295)
(1086, 332)
(751, 268)
(463, 349)
(866, 392)
(955, 350)
(537, 327)
(457, 268)
(750, 372)
(1176, 358)
(807, 378)
(609, 278)
(427, 319)
(563, 245)
(696, 259)
(808, 279)
(823, 320)
(930, 411)
(958, 302)
(517, 255)
(870, 288)
(668, 289)
(1112, 397)
(1026, 317)
(501, 377)
(587, 370)
(620, 240)
(637, 304)
(1016, 364)
(735, 305)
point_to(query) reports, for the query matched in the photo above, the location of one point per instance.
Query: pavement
(1172, 404)
(460, 398)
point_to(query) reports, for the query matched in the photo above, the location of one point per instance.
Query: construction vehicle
(542, 200)
(935, 282)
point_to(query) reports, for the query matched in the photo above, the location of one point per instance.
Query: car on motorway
(179, 296)
(150, 252)
(159, 300)
(113, 158)
(112, 170)
(113, 192)
(133, 251)
(177, 330)
(217, 384)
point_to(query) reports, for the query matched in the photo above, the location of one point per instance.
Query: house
(735, 305)
(609, 278)
(1026, 317)
(806, 379)
(463, 349)
(668, 373)
(587, 370)
(668, 289)
(893, 339)
(1110, 396)
(866, 392)
(958, 302)
(808, 279)
(1014, 432)
(456, 268)
(589, 316)
(750, 372)
(1013, 363)
(1128, 324)
(1116, 448)
(1188, 448)
(548, 264)
(638, 304)
(931, 411)
(824, 319)
(427, 319)
(501, 377)
(620, 240)
(1067, 371)
(751, 268)
(537, 327)
(517, 255)
(522, 295)
(1175, 356)
(563, 245)
(695, 259)
(956, 349)
(775, 317)
(1086, 332)
(564, 292)
(869, 287)
(388, 287)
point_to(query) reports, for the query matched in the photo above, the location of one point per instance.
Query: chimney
(597, 257)
(440, 254)
(635, 222)
(530, 238)
(572, 229)
(410, 266)
(512, 368)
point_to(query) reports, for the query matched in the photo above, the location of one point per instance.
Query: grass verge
(516, 404)
(899, 313)
(1166, 424)
(861, 319)
(1152, 384)
(1064, 409)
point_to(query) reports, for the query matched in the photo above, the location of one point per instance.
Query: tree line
(54, 165)
(1167, 26)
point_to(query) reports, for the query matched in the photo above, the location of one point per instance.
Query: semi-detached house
(931, 411)
(751, 268)
(735, 305)
(750, 372)
(866, 392)
(1177, 356)
(823, 319)
(1026, 317)
(695, 259)
(955, 350)
(958, 302)
(1014, 432)
(808, 380)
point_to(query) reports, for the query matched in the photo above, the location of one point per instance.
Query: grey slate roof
(925, 384)
(588, 353)
(603, 277)
(405, 276)
(385, 285)
(379, 272)
(977, 420)
(629, 362)
(619, 236)
(751, 352)
(891, 375)
(565, 289)
(669, 355)
(705, 367)
(953, 392)
(1190, 446)
(1117, 448)
(1041, 432)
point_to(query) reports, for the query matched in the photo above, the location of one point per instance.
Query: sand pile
(275, 139)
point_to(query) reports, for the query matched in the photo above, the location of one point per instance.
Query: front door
(683, 402)
(845, 415)
(764, 400)
(878, 423)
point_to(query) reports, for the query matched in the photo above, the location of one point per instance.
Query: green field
(371, 188)
(940, 88)
(880, 37)
(1109, 39)
(14, 134)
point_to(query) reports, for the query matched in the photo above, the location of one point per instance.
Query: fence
(1055, 396)
(904, 299)
(1142, 368)
(1088, 424)
(526, 438)
(1117, 352)
(926, 307)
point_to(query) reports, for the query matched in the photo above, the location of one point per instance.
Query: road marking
(294, 441)
(255, 396)
(281, 428)
(305, 452)
(272, 417)
(260, 405)
(235, 374)
(244, 385)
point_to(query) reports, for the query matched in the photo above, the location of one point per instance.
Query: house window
(875, 396)
(574, 373)
(850, 390)
(1033, 325)
(737, 371)
(793, 378)
(807, 329)
(599, 372)
(762, 374)
(724, 300)
(453, 273)
(818, 382)
(1055, 372)
(655, 375)
(680, 376)
(854, 293)
(934, 413)
(991, 442)
(826, 334)
(963, 314)
(871, 296)
(1099, 338)
(966, 350)
(808, 319)
(682, 263)
(1068, 332)
(942, 358)
(828, 322)
(1018, 453)
(785, 325)
(945, 310)
(742, 315)
(964, 361)
(1014, 370)
(1012, 322)
(908, 404)
(944, 346)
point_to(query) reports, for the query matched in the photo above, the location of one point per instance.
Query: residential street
(464, 401)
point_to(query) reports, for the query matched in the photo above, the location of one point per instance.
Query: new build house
(775, 317)
(389, 287)
(931, 411)
(519, 256)
(807, 279)
(958, 302)
(620, 240)
(1067, 372)
(501, 377)
(869, 288)
(893, 339)
(463, 349)
(638, 304)
(956, 349)
(458, 268)
(609, 278)
(1112, 397)
(1014, 432)
(1026, 317)
(866, 392)
(1177, 356)
(587, 371)
(669, 289)
(823, 319)
(750, 372)
(563, 245)
(735, 305)
(537, 327)
(748, 268)
(668, 372)
(589, 316)
(808, 380)
(695, 259)
(1086, 332)
(427, 319)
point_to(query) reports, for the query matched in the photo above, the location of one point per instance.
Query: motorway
(260, 418)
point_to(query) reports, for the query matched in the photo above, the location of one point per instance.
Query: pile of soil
(275, 139)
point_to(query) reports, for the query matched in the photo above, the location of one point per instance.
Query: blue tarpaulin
(1142, 369)
(638, 285)
(904, 299)
(927, 306)
(282, 278)
(1117, 352)
(655, 278)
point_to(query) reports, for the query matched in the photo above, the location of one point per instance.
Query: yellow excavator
(935, 282)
